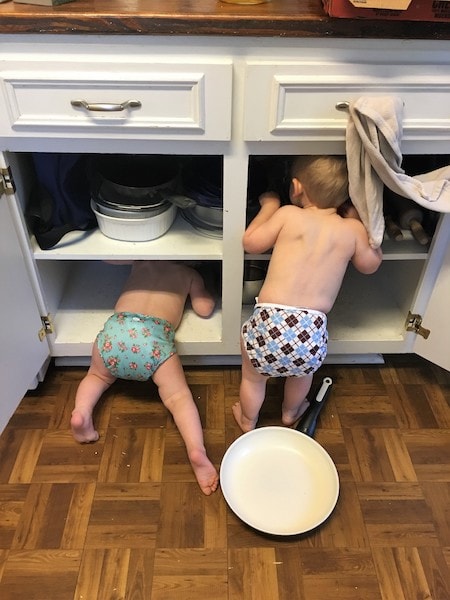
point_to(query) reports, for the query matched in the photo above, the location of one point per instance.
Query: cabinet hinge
(414, 323)
(6, 181)
(46, 328)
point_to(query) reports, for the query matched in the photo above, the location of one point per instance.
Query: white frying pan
(280, 480)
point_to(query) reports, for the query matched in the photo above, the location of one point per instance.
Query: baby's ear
(296, 189)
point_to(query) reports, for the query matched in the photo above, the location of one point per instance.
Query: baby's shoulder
(353, 224)
(354, 229)
(290, 211)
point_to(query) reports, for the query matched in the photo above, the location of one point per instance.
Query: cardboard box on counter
(400, 10)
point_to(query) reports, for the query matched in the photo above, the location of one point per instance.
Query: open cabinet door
(22, 353)
(436, 317)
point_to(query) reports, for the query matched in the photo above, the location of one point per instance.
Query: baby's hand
(269, 198)
(348, 211)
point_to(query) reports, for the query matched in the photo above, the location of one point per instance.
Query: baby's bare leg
(177, 398)
(295, 402)
(94, 384)
(251, 395)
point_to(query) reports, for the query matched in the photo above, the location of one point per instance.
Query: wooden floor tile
(40, 574)
(124, 515)
(190, 572)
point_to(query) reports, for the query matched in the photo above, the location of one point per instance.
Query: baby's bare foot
(290, 417)
(244, 423)
(83, 428)
(205, 472)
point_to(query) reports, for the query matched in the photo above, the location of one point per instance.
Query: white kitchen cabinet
(235, 99)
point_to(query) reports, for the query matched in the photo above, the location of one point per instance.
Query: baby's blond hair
(324, 179)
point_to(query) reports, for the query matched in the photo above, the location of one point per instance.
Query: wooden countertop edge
(280, 18)
(127, 25)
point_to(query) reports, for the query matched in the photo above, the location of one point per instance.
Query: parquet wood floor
(123, 519)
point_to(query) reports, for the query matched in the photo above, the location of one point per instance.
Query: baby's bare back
(309, 260)
(158, 289)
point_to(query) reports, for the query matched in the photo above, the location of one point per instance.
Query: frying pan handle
(308, 420)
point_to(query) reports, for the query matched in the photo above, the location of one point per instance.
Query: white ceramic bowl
(135, 230)
(128, 212)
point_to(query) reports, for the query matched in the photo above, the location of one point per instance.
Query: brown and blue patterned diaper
(285, 341)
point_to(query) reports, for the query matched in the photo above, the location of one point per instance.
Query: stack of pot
(203, 184)
(134, 196)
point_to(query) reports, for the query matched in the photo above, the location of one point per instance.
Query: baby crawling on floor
(137, 342)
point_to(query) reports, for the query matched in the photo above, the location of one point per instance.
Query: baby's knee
(102, 374)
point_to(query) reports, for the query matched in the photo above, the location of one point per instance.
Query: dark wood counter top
(278, 18)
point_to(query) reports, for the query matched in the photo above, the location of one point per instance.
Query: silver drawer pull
(106, 107)
(343, 105)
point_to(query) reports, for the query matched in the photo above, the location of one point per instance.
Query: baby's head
(324, 180)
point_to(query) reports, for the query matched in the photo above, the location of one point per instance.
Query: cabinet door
(23, 354)
(436, 317)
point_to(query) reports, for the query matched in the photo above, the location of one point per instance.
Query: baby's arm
(202, 301)
(254, 239)
(365, 259)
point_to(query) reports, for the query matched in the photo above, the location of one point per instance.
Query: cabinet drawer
(301, 101)
(149, 100)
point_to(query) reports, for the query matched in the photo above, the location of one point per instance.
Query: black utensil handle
(308, 421)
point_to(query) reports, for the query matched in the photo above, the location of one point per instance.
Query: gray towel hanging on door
(373, 141)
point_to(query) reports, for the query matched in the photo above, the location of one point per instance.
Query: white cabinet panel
(436, 316)
(157, 100)
(23, 354)
(304, 101)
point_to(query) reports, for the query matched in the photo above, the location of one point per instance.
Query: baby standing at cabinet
(313, 240)
(137, 342)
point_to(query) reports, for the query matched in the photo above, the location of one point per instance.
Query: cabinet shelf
(77, 317)
(77, 329)
(181, 242)
(370, 311)
(406, 249)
